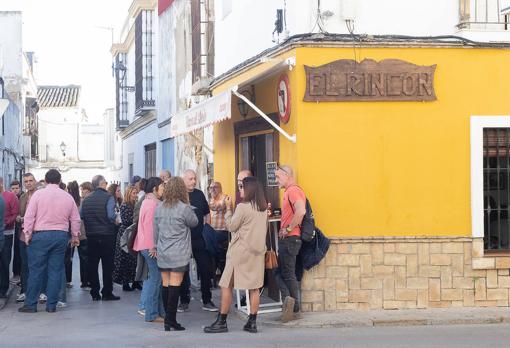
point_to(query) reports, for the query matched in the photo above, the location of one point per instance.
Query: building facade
(66, 140)
(399, 141)
(136, 71)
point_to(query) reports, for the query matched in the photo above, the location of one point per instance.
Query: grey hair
(288, 170)
(189, 171)
(97, 180)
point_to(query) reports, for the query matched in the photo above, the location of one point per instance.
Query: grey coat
(172, 235)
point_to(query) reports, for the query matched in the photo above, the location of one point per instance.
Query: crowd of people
(166, 222)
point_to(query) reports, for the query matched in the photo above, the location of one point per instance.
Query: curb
(4, 301)
(373, 322)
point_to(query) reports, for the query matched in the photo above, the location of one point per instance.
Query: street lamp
(63, 149)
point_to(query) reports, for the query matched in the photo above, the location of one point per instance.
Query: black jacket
(95, 215)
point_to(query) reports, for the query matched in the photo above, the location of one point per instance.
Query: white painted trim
(478, 123)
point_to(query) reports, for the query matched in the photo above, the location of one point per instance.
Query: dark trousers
(69, 263)
(16, 260)
(204, 261)
(288, 249)
(24, 266)
(82, 253)
(5, 262)
(222, 240)
(101, 249)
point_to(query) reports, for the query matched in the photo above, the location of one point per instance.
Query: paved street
(116, 324)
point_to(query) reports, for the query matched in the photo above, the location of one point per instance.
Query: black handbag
(313, 252)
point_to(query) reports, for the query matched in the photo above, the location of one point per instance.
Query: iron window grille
(482, 15)
(144, 81)
(150, 160)
(496, 188)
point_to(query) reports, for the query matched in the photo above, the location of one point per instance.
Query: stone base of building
(406, 272)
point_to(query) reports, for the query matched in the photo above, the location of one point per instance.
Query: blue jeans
(46, 257)
(151, 296)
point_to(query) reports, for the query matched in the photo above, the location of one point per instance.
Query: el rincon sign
(387, 80)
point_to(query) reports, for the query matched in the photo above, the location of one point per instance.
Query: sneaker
(69, 285)
(61, 304)
(42, 298)
(141, 312)
(288, 309)
(183, 307)
(210, 307)
(20, 298)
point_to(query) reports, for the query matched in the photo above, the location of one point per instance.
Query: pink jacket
(145, 236)
(11, 209)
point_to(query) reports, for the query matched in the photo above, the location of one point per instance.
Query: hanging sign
(271, 168)
(284, 98)
(387, 80)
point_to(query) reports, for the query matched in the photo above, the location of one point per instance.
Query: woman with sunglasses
(244, 268)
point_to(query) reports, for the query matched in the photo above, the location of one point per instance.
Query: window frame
(478, 123)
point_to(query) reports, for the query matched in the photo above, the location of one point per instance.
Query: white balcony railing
(482, 15)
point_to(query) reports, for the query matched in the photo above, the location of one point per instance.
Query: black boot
(171, 323)
(220, 325)
(165, 292)
(251, 325)
(137, 285)
(126, 287)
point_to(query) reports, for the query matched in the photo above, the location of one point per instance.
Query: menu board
(271, 168)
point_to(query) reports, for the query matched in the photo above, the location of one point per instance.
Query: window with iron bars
(144, 78)
(150, 160)
(496, 188)
(482, 15)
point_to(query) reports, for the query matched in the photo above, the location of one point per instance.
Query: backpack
(307, 225)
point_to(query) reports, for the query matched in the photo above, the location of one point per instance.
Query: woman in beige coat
(244, 268)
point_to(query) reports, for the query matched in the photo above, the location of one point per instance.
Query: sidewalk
(410, 317)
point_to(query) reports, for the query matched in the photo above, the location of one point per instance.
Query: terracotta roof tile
(58, 96)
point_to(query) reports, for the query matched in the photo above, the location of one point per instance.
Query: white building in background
(18, 91)
(112, 147)
(66, 141)
(136, 88)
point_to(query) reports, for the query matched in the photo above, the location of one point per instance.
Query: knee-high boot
(171, 310)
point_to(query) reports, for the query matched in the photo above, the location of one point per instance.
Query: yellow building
(397, 184)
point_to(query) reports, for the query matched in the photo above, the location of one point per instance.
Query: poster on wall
(271, 168)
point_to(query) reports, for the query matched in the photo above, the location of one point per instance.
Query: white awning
(213, 110)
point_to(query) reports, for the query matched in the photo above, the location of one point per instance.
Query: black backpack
(307, 226)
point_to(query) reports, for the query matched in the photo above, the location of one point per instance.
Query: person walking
(30, 185)
(200, 254)
(16, 258)
(172, 237)
(86, 189)
(98, 214)
(289, 242)
(218, 208)
(10, 214)
(144, 243)
(124, 269)
(46, 228)
(246, 252)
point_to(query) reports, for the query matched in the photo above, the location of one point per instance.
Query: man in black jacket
(98, 215)
(204, 261)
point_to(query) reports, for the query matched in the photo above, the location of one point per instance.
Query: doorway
(257, 148)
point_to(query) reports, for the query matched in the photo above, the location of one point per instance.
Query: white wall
(135, 144)
(73, 173)
(11, 50)
(243, 28)
(91, 142)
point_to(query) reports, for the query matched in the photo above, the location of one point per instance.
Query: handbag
(271, 260)
(128, 239)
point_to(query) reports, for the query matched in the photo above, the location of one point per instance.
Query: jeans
(82, 253)
(101, 248)
(24, 266)
(16, 260)
(151, 291)
(204, 262)
(288, 249)
(2, 240)
(5, 263)
(46, 257)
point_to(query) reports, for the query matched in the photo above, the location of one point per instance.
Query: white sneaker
(42, 298)
(61, 304)
(20, 298)
(141, 312)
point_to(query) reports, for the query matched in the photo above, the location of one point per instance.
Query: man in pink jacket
(46, 228)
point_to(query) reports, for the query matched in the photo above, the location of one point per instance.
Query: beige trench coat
(246, 251)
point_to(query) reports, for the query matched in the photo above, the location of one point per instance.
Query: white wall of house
(11, 50)
(244, 28)
(133, 147)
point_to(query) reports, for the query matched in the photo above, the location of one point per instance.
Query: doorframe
(253, 125)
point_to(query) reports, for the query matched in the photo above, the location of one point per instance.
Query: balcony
(483, 15)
